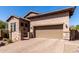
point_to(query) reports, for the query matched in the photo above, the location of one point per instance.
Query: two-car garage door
(53, 31)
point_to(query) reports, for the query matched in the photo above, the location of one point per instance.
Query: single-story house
(52, 25)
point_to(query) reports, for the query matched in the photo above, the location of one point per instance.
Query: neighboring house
(53, 25)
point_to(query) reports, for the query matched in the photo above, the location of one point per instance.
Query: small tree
(3, 24)
(77, 27)
(73, 27)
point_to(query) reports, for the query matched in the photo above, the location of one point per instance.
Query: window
(22, 24)
(26, 25)
(13, 27)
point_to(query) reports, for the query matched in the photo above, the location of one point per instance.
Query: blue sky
(6, 11)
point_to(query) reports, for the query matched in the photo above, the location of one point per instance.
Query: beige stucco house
(52, 25)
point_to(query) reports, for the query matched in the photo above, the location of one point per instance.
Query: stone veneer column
(66, 32)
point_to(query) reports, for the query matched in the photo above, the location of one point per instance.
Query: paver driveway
(41, 45)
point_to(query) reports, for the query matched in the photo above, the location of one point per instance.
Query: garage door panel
(48, 32)
(50, 27)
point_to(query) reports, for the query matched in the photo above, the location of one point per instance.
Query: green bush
(3, 24)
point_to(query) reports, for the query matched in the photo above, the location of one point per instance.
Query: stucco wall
(62, 18)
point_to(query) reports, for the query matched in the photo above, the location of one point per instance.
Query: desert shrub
(9, 41)
(5, 33)
(2, 44)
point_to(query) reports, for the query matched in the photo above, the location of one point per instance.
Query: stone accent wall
(14, 35)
